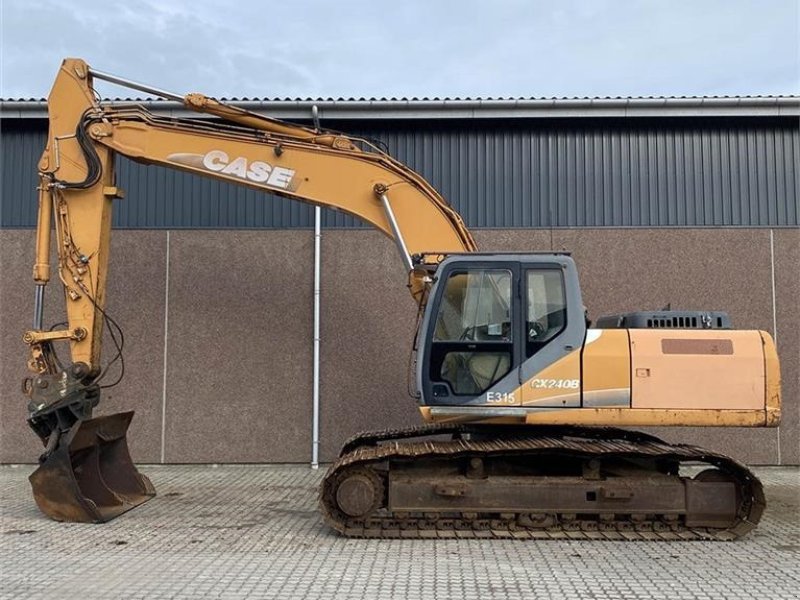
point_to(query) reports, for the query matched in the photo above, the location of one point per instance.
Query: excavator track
(403, 484)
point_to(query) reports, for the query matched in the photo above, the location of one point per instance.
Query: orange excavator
(527, 406)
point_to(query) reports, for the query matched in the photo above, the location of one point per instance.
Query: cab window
(472, 341)
(547, 308)
(476, 306)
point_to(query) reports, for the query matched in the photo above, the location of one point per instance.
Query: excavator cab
(494, 321)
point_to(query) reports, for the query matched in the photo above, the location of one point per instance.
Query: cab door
(554, 330)
(474, 342)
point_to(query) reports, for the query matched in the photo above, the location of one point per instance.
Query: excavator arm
(76, 191)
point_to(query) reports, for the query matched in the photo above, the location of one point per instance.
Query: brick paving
(252, 531)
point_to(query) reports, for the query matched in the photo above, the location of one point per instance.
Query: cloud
(353, 48)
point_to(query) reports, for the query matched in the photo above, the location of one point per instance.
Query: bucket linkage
(86, 474)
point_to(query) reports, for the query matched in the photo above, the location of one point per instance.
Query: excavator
(528, 408)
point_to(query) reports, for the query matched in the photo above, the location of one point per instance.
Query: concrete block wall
(218, 330)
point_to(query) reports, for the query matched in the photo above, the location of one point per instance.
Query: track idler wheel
(88, 476)
(359, 492)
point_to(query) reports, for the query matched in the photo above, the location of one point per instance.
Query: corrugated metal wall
(497, 173)
(21, 145)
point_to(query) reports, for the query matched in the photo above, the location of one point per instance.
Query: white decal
(500, 397)
(549, 384)
(215, 160)
(237, 167)
(259, 171)
(281, 177)
(256, 171)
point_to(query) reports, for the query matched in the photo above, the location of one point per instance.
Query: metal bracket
(37, 337)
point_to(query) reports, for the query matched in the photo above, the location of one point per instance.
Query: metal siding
(20, 148)
(792, 176)
(498, 174)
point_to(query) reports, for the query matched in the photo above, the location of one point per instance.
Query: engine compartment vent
(667, 319)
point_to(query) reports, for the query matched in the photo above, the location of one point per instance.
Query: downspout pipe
(317, 264)
(315, 398)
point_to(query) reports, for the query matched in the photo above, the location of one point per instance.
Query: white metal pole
(315, 408)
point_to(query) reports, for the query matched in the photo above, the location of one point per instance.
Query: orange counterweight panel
(697, 369)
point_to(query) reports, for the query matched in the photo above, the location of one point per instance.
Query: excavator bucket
(89, 476)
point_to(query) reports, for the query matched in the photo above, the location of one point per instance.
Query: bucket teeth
(89, 476)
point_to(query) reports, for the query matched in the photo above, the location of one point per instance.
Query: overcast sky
(410, 48)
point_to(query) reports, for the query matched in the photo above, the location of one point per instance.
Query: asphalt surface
(254, 532)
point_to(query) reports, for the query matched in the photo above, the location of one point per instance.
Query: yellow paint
(772, 387)
(616, 417)
(650, 417)
(695, 381)
(555, 385)
(82, 216)
(606, 367)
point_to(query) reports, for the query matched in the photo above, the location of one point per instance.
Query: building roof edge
(466, 108)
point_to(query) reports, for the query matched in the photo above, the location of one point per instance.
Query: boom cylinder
(41, 268)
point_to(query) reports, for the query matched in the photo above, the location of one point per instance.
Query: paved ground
(253, 532)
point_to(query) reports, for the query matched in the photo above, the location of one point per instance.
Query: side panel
(557, 385)
(688, 369)
(607, 368)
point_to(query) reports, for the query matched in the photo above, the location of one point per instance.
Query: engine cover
(667, 319)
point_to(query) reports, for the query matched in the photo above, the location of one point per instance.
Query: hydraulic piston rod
(41, 269)
(398, 236)
(135, 85)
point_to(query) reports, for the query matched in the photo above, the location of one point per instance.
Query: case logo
(257, 171)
